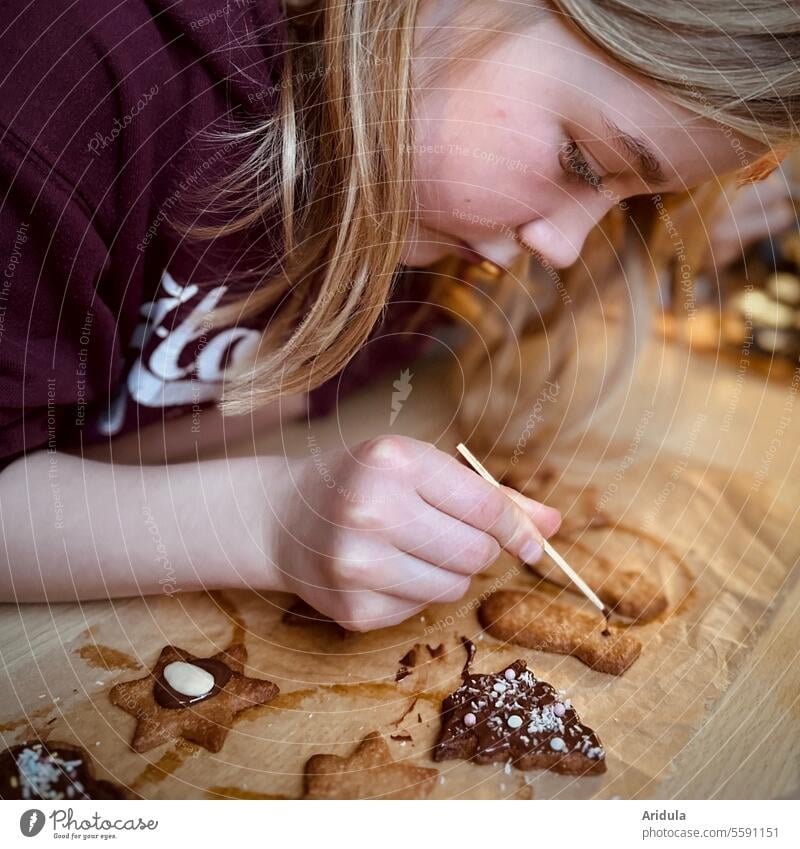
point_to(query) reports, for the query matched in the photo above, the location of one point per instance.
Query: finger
(368, 611)
(381, 569)
(425, 583)
(461, 493)
(547, 519)
(445, 542)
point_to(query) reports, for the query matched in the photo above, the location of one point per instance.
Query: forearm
(74, 528)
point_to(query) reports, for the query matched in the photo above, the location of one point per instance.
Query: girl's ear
(763, 167)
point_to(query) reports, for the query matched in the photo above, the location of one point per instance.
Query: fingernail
(531, 551)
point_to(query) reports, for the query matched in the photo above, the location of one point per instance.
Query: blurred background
(751, 304)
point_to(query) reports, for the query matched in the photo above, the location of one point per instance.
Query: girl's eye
(573, 164)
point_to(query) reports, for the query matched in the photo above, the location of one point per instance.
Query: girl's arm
(368, 535)
(73, 528)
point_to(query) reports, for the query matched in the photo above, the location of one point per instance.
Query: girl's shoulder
(94, 88)
(106, 117)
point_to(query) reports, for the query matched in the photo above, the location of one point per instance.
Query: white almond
(188, 679)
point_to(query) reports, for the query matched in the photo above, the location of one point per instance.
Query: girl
(209, 207)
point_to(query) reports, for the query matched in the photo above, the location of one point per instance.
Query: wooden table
(743, 739)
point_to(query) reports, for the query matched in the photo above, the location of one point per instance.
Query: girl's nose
(559, 239)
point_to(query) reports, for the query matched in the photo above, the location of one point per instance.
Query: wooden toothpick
(548, 549)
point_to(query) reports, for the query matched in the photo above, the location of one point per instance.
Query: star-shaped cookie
(369, 773)
(209, 718)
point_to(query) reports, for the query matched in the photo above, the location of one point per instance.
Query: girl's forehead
(580, 85)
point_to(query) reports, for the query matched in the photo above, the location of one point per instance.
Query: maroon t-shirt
(107, 119)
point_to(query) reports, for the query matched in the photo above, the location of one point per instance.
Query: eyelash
(574, 164)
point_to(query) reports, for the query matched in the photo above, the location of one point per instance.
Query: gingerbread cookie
(369, 773)
(57, 771)
(190, 697)
(511, 716)
(537, 622)
(627, 592)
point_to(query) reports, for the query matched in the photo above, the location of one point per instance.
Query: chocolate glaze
(410, 657)
(407, 662)
(171, 699)
(38, 770)
(470, 649)
(528, 745)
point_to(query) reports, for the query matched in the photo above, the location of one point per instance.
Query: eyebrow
(647, 162)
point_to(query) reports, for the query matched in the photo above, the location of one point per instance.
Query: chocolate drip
(407, 662)
(607, 615)
(469, 647)
(169, 698)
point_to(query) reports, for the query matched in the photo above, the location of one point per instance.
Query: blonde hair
(335, 163)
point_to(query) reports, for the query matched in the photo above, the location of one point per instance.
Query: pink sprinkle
(559, 709)
(510, 674)
(470, 719)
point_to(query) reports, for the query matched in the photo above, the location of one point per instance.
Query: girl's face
(530, 147)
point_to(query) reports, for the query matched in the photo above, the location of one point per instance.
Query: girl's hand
(372, 535)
